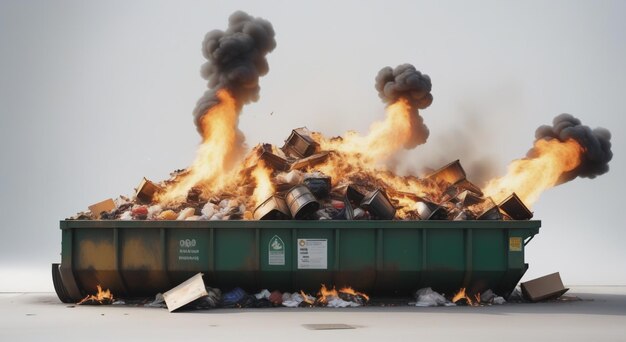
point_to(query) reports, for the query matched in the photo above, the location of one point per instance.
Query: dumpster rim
(302, 224)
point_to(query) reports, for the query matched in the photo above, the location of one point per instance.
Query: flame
(264, 187)
(324, 293)
(462, 295)
(385, 138)
(305, 298)
(529, 177)
(350, 291)
(99, 297)
(210, 169)
(355, 159)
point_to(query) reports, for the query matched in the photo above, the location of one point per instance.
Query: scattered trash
(543, 288)
(211, 300)
(292, 300)
(168, 215)
(233, 298)
(499, 300)
(139, 213)
(276, 298)
(318, 184)
(264, 294)
(427, 297)
(158, 302)
(186, 213)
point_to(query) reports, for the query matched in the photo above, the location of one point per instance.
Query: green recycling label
(276, 251)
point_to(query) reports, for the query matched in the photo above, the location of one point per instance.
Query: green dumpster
(384, 258)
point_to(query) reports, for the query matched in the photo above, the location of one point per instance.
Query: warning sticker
(313, 254)
(515, 244)
(276, 251)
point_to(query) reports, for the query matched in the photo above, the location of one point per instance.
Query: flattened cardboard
(185, 293)
(546, 287)
(106, 206)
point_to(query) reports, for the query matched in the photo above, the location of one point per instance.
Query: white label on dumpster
(313, 254)
(187, 250)
(276, 251)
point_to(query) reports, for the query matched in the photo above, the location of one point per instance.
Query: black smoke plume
(236, 60)
(407, 83)
(596, 144)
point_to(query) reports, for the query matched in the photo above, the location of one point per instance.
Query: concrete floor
(600, 316)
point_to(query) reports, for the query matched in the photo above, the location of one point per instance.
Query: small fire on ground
(103, 297)
(462, 297)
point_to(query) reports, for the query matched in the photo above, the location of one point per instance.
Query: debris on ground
(427, 297)
(543, 288)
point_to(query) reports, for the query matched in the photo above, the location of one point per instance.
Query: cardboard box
(546, 287)
(185, 293)
(146, 190)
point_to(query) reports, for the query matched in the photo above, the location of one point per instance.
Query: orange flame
(324, 293)
(462, 295)
(385, 138)
(305, 298)
(350, 291)
(99, 297)
(529, 177)
(214, 157)
(264, 187)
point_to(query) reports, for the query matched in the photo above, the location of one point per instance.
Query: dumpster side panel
(94, 260)
(488, 260)
(445, 259)
(236, 258)
(401, 260)
(141, 258)
(142, 261)
(355, 264)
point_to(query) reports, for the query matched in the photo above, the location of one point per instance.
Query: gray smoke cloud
(235, 61)
(406, 82)
(596, 144)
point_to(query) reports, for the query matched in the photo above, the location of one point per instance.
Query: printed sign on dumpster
(515, 244)
(276, 251)
(313, 254)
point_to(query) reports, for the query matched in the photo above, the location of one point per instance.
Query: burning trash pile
(350, 177)
(194, 294)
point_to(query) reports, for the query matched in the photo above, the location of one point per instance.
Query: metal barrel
(301, 202)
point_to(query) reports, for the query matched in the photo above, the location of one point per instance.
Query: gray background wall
(94, 95)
